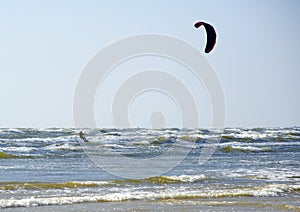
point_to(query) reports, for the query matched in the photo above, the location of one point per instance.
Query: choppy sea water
(251, 169)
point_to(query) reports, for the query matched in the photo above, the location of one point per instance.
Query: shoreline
(225, 204)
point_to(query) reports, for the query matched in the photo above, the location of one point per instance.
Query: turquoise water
(251, 168)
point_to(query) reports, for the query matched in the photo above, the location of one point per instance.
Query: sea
(231, 169)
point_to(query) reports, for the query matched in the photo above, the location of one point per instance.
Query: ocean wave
(14, 130)
(40, 185)
(194, 137)
(111, 134)
(4, 155)
(43, 140)
(79, 184)
(245, 149)
(164, 139)
(18, 148)
(168, 179)
(125, 195)
(64, 147)
(261, 134)
(141, 143)
(266, 174)
(242, 135)
(180, 178)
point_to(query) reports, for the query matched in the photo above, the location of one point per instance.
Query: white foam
(65, 146)
(14, 130)
(188, 178)
(46, 140)
(266, 174)
(251, 148)
(142, 142)
(129, 194)
(91, 182)
(17, 149)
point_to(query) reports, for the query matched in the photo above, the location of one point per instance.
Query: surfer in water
(82, 136)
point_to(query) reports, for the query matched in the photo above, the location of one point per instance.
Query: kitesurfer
(82, 136)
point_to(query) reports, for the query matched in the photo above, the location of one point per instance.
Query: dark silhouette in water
(82, 136)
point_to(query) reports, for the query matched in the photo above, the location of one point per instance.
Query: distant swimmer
(82, 137)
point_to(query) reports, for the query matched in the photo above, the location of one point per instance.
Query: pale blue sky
(44, 46)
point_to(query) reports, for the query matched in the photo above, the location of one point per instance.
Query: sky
(45, 45)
